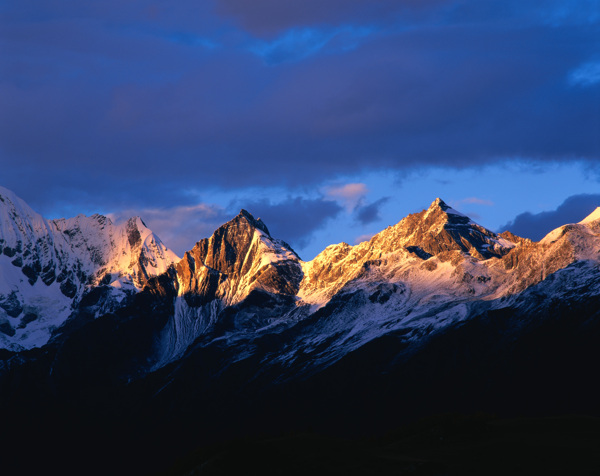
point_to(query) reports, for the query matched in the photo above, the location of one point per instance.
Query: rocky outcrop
(240, 256)
(240, 267)
(419, 242)
(440, 228)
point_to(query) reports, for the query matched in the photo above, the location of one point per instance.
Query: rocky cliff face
(241, 256)
(445, 248)
(441, 228)
(239, 260)
(415, 249)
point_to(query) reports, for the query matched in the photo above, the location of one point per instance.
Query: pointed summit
(439, 208)
(592, 217)
(255, 222)
(441, 228)
(239, 257)
(47, 268)
(438, 202)
(135, 221)
(235, 245)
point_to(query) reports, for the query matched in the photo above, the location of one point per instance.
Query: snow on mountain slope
(434, 309)
(47, 265)
(126, 254)
(240, 258)
(432, 269)
(440, 251)
(416, 250)
(592, 217)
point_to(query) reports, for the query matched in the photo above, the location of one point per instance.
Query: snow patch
(70, 255)
(594, 216)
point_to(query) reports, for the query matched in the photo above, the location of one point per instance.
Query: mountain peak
(15, 206)
(238, 258)
(440, 214)
(47, 268)
(137, 222)
(594, 216)
(5, 192)
(438, 202)
(255, 222)
(441, 228)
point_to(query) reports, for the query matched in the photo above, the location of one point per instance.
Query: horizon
(543, 221)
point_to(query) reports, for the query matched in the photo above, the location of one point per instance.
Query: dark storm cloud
(186, 14)
(270, 16)
(369, 213)
(142, 101)
(295, 219)
(536, 226)
(267, 17)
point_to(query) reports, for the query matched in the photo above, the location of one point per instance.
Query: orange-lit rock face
(437, 255)
(240, 256)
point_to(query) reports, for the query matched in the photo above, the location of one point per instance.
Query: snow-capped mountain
(436, 244)
(46, 266)
(239, 259)
(431, 270)
(433, 314)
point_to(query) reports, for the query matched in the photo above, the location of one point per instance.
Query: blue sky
(329, 119)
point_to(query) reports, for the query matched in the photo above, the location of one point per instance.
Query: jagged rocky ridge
(430, 270)
(435, 313)
(239, 260)
(48, 268)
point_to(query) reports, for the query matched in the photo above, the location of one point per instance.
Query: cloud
(128, 102)
(268, 17)
(179, 228)
(294, 219)
(366, 214)
(587, 74)
(536, 226)
(297, 44)
(560, 12)
(361, 238)
(349, 194)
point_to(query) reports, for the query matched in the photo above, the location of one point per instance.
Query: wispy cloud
(569, 12)
(370, 213)
(136, 87)
(587, 74)
(361, 238)
(191, 40)
(349, 194)
(298, 43)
